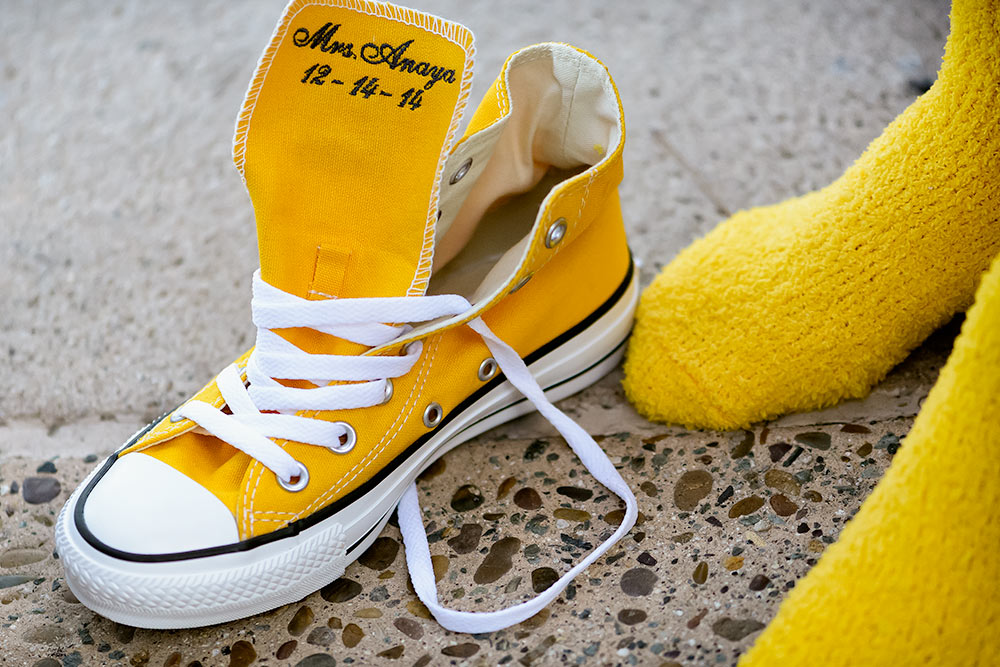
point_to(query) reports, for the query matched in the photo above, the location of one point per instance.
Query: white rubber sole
(214, 589)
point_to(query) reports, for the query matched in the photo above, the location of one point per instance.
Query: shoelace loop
(262, 410)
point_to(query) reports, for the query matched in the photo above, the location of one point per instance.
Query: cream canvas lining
(563, 119)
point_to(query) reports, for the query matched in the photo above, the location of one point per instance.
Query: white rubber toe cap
(144, 506)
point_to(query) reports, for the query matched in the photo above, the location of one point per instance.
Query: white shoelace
(262, 409)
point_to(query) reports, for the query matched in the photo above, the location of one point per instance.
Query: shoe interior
(564, 118)
(496, 236)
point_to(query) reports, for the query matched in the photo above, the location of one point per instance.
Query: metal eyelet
(487, 369)
(556, 233)
(433, 415)
(347, 441)
(461, 172)
(408, 347)
(388, 392)
(302, 480)
(521, 283)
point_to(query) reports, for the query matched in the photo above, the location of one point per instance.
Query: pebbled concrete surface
(729, 522)
(119, 202)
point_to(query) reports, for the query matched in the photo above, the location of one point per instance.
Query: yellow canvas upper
(351, 177)
(372, 234)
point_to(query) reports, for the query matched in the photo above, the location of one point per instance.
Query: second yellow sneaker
(413, 292)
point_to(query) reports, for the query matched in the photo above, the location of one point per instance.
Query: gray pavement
(127, 240)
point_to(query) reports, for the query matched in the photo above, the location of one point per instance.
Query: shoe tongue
(341, 141)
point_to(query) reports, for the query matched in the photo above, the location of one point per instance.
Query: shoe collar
(499, 154)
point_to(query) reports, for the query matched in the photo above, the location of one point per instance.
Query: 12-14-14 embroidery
(365, 86)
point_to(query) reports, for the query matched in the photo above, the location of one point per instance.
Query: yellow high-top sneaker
(413, 292)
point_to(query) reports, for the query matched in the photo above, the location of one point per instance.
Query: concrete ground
(119, 204)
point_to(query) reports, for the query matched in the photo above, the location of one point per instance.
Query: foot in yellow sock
(800, 305)
(915, 575)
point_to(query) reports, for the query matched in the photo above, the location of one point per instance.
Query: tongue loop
(328, 276)
(341, 142)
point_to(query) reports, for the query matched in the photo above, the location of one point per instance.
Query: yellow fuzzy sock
(914, 577)
(803, 304)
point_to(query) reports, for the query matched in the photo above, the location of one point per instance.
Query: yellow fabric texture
(343, 154)
(801, 305)
(568, 283)
(914, 577)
